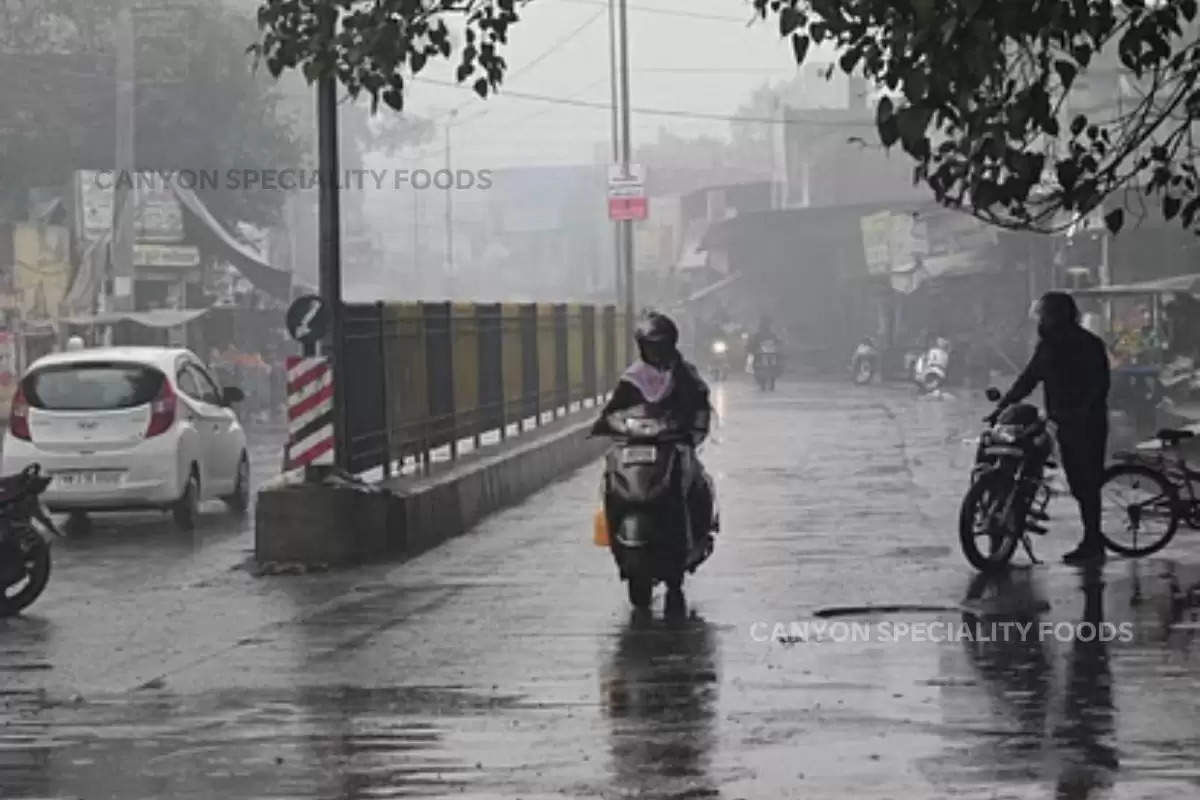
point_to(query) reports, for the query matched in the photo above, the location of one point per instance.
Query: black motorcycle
(24, 546)
(1009, 492)
(652, 537)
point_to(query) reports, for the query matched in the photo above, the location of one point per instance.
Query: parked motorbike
(24, 543)
(645, 503)
(1009, 491)
(864, 364)
(932, 367)
(719, 363)
(766, 364)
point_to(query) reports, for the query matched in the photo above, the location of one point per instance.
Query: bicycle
(1161, 469)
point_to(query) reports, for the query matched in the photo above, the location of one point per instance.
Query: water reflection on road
(660, 691)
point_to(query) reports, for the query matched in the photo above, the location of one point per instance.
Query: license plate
(639, 455)
(87, 479)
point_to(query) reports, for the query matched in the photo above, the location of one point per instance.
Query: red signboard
(624, 208)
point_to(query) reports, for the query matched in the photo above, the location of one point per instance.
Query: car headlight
(719, 347)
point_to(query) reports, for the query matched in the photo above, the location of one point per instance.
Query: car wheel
(187, 508)
(239, 501)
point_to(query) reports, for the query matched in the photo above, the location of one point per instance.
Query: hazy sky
(685, 55)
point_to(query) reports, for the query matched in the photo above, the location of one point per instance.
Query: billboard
(41, 269)
(159, 217)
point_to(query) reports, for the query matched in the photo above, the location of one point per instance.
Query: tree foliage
(60, 114)
(981, 94)
(374, 46)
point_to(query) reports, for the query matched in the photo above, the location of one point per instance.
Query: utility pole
(450, 282)
(124, 197)
(330, 253)
(625, 158)
(619, 277)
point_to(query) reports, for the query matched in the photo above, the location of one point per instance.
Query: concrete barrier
(403, 517)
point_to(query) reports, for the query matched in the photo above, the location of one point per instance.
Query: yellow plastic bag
(600, 528)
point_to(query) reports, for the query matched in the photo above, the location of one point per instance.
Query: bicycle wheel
(1140, 510)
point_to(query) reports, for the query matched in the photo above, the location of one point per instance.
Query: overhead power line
(672, 12)
(558, 44)
(662, 112)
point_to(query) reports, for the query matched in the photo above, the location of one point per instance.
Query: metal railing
(424, 377)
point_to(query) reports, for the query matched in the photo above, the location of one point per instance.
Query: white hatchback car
(129, 428)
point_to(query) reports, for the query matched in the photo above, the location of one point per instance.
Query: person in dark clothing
(1072, 365)
(668, 385)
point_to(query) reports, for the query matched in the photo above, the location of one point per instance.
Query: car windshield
(92, 386)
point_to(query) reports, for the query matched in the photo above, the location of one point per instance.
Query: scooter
(766, 364)
(864, 364)
(930, 370)
(719, 364)
(24, 540)
(653, 539)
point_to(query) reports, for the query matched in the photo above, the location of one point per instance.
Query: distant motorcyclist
(668, 385)
(765, 333)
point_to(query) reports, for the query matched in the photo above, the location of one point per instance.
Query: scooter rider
(666, 383)
(763, 334)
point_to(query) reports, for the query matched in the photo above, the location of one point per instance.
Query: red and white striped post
(310, 412)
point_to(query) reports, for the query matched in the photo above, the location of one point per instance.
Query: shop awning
(266, 278)
(1179, 284)
(159, 318)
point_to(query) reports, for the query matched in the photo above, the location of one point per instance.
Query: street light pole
(121, 244)
(619, 277)
(330, 252)
(625, 158)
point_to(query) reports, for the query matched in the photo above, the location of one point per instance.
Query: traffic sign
(308, 319)
(627, 192)
(623, 208)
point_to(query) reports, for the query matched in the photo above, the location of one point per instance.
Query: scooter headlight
(1005, 434)
(719, 347)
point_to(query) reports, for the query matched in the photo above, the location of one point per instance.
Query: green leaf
(912, 122)
(1068, 173)
(800, 47)
(481, 87)
(395, 99)
(1115, 220)
(789, 20)
(1189, 212)
(1066, 73)
(1078, 124)
(885, 121)
(1171, 206)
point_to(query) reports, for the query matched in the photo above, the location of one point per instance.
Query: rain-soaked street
(506, 663)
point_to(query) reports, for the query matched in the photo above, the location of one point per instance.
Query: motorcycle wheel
(864, 373)
(984, 498)
(37, 575)
(640, 579)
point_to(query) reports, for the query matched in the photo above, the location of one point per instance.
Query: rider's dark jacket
(679, 393)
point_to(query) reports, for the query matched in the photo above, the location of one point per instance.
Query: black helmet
(657, 339)
(656, 328)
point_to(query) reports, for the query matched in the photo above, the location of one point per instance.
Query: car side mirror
(233, 395)
(993, 394)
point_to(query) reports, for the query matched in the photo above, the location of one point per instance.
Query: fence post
(383, 384)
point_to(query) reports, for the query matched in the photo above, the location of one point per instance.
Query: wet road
(506, 663)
